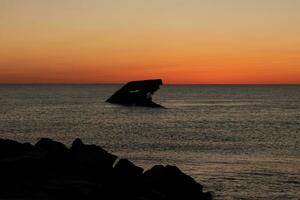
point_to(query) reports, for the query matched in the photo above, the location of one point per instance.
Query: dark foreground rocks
(50, 170)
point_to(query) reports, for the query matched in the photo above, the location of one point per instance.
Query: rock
(170, 181)
(49, 170)
(126, 170)
(125, 179)
(91, 161)
(91, 155)
(77, 145)
(137, 93)
(56, 155)
(9, 148)
(51, 146)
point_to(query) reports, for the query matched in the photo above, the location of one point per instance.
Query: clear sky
(180, 41)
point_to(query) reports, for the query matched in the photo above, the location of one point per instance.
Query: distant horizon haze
(120, 83)
(182, 42)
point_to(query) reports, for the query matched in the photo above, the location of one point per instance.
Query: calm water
(242, 142)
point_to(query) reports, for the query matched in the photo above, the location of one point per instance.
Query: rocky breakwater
(50, 170)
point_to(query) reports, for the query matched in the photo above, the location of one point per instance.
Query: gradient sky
(180, 41)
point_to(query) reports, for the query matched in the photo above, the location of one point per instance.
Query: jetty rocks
(50, 170)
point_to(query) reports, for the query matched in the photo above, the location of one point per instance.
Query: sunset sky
(179, 41)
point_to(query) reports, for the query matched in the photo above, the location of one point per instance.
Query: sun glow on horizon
(182, 42)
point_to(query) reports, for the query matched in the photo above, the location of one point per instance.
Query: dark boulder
(125, 179)
(92, 155)
(50, 170)
(18, 162)
(77, 145)
(51, 146)
(126, 170)
(91, 161)
(170, 181)
(56, 156)
(10, 148)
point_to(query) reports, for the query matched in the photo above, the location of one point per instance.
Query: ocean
(239, 141)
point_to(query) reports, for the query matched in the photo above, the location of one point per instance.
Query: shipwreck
(137, 93)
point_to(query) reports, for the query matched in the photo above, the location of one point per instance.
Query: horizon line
(120, 83)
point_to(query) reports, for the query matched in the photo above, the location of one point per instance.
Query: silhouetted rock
(56, 154)
(77, 145)
(91, 161)
(49, 170)
(173, 183)
(137, 93)
(9, 148)
(51, 146)
(126, 170)
(91, 155)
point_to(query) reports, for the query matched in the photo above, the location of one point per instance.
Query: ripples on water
(242, 142)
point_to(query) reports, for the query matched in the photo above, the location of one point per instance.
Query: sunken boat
(137, 93)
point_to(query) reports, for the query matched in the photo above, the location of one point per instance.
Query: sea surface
(239, 141)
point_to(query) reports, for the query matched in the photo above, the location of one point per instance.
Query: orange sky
(180, 41)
